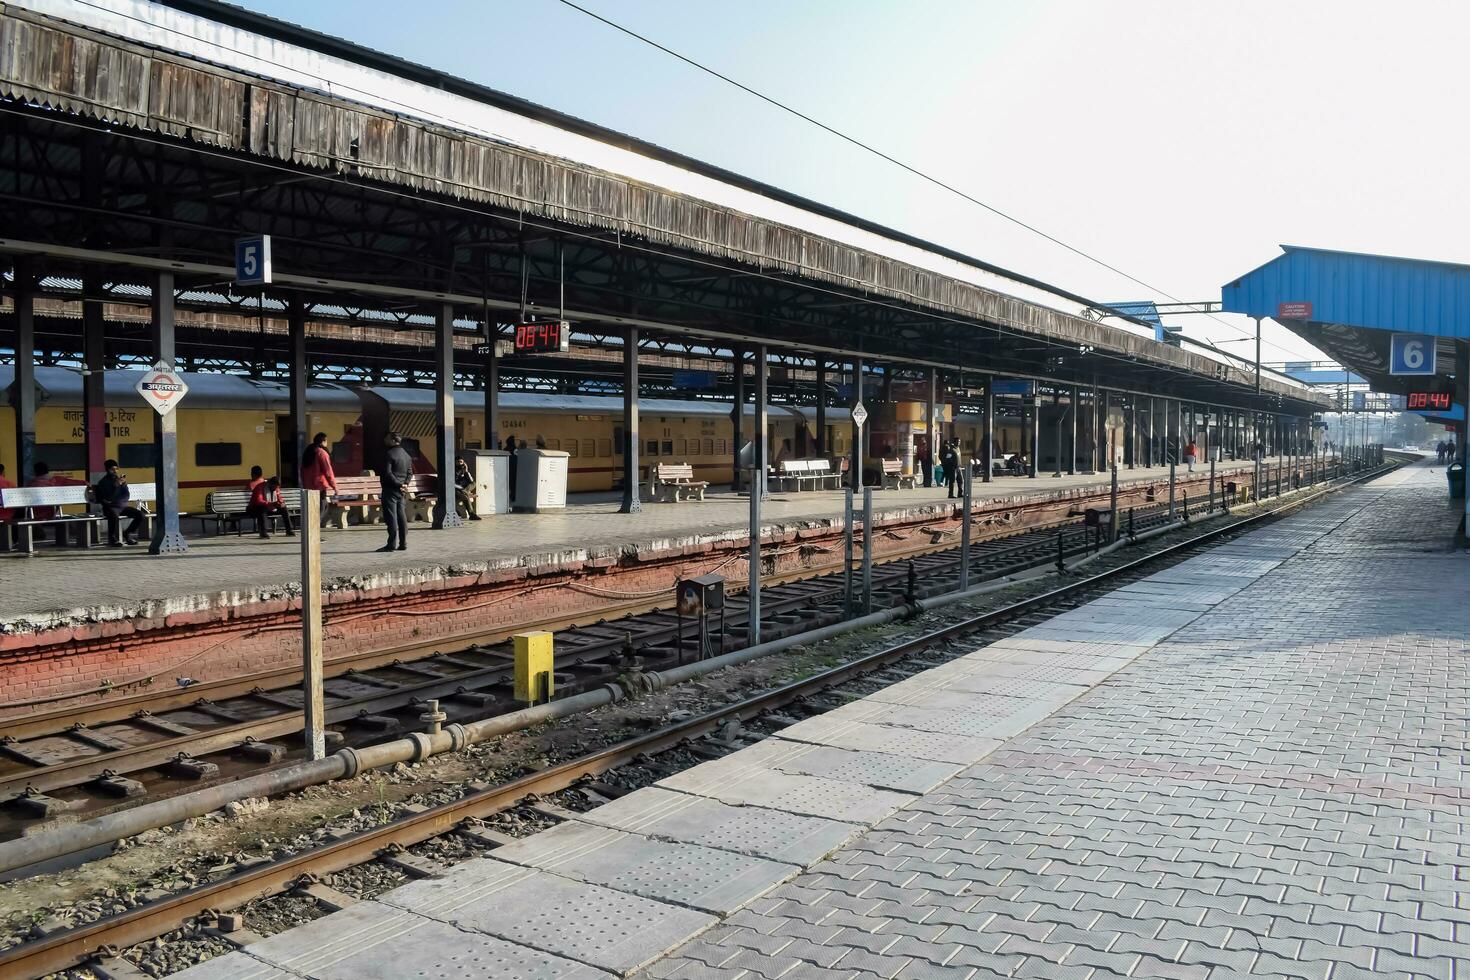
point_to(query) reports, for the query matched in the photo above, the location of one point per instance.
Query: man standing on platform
(950, 460)
(397, 474)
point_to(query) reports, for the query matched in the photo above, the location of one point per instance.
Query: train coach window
(652, 447)
(589, 447)
(571, 448)
(136, 455)
(604, 447)
(668, 447)
(60, 456)
(709, 447)
(216, 454)
(683, 447)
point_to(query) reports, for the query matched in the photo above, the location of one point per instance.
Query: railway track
(95, 945)
(70, 764)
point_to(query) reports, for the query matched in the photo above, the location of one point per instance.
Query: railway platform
(1251, 763)
(84, 622)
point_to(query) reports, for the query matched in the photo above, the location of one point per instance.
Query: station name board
(553, 337)
(1430, 401)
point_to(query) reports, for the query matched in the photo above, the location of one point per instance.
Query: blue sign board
(253, 260)
(695, 380)
(1411, 353)
(1011, 387)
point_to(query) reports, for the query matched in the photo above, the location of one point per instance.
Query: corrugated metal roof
(404, 399)
(1357, 289)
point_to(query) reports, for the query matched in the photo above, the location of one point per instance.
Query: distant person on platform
(396, 475)
(1450, 450)
(949, 458)
(113, 496)
(923, 460)
(316, 470)
(464, 489)
(1191, 453)
(1258, 451)
(265, 500)
(784, 453)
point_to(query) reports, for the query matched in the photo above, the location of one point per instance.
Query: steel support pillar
(931, 421)
(987, 453)
(761, 452)
(821, 449)
(490, 367)
(856, 477)
(24, 390)
(1076, 411)
(298, 380)
(631, 504)
(445, 513)
(167, 539)
(737, 419)
(1035, 439)
(94, 362)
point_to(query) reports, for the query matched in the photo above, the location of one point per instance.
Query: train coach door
(287, 465)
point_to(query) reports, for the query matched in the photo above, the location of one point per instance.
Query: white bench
(675, 481)
(894, 478)
(83, 528)
(817, 472)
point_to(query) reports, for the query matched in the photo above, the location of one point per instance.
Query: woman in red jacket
(316, 469)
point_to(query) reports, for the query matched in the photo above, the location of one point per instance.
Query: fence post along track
(312, 700)
(847, 518)
(967, 479)
(867, 550)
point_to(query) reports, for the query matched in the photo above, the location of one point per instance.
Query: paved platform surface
(1252, 763)
(85, 581)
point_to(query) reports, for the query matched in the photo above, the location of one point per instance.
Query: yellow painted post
(534, 658)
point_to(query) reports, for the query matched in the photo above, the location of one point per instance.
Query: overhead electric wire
(922, 175)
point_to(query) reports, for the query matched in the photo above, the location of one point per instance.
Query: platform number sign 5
(253, 260)
(1411, 353)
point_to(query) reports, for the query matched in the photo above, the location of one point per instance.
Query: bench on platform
(894, 478)
(83, 529)
(230, 507)
(355, 493)
(421, 494)
(817, 472)
(675, 481)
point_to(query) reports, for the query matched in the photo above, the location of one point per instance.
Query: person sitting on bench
(464, 489)
(113, 496)
(265, 500)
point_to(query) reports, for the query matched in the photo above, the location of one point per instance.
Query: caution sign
(162, 388)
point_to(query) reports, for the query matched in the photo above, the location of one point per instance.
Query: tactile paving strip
(685, 874)
(588, 923)
(775, 834)
(875, 769)
(372, 941)
(234, 966)
(905, 742)
(810, 795)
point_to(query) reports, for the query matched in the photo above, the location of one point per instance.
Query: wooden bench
(355, 493)
(675, 481)
(421, 494)
(227, 507)
(817, 472)
(894, 477)
(84, 529)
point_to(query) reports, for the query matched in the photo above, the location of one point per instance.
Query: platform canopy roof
(1350, 304)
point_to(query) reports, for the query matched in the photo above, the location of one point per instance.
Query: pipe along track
(102, 939)
(70, 765)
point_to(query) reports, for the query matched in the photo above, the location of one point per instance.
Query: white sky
(1178, 141)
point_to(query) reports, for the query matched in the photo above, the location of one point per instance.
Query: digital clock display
(1429, 401)
(542, 338)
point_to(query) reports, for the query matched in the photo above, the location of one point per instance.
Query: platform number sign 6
(1411, 353)
(253, 260)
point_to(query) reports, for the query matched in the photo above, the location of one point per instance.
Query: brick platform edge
(96, 655)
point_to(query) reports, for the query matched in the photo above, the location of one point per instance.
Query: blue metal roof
(1373, 292)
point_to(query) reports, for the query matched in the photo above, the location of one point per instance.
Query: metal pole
(445, 513)
(762, 425)
(737, 418)
(822, 449)
(1173, 466)
(1035, 431)
(966, 480)
(167, 539)
(856, 477)
(847, 519)
(631, 503)
(931, 419)
(491, 366)
(867, 550)
(1211, 508)
(1113, 500)
(753, 630)
(94, 391)
(1258, 355)
(25, 374)
(300, 437)
(1076, 411)
(313, 704)
(988, 449)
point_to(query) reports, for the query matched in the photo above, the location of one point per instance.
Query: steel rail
(74, 947)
